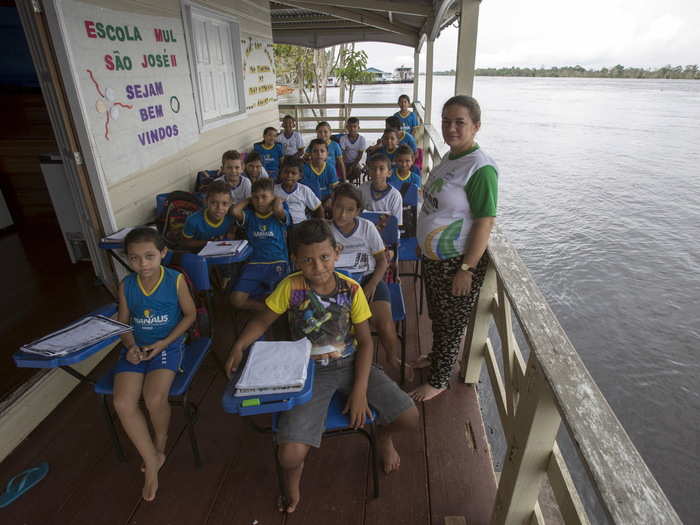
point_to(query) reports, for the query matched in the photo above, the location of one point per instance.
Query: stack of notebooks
(82, 334)
(275, 367)
(219, 248)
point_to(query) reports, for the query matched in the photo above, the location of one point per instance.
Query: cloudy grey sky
(591, 33)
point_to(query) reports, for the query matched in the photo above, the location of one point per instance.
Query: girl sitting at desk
(157, 303)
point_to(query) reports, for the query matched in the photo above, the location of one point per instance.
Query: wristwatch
(466, 268)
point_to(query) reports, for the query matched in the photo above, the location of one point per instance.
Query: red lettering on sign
(90, 29)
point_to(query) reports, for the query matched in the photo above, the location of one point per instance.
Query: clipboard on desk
(265, 403)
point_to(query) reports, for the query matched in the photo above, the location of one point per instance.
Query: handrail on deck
(317, 112)
(534, 397)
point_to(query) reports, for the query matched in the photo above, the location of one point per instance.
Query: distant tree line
(618, 71)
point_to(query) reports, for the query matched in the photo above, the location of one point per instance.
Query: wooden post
(535, 429)
(478, 329)
(416, 69)
(466, 48)
(429, 83)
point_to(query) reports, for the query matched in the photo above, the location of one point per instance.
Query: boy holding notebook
(331, 310)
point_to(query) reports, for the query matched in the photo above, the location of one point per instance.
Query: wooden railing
(534, 397)
(336, 114)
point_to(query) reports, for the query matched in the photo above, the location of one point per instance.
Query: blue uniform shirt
(320, 182)
(267, 235)
(199, 227)
(408, 140)
(271, 157)
(397, 182)
(408, 122)
(154, 314)
(334, 151)
(384, 151)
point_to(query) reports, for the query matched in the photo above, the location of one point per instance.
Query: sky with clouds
(591, 33)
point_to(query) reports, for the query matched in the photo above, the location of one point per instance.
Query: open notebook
(218, 248)
(88, 331)
(274, 367)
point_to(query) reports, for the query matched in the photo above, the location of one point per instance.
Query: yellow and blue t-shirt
(408, 122)
(154, 313)
(267, 235)
(199, 227)
(397, 182)
(320, 181)
(326, 320)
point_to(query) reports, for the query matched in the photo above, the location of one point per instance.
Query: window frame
(188, 8)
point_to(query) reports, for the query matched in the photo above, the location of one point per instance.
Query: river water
(600, 193)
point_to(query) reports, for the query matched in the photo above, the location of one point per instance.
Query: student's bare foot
(288, 504)
(423, 361)
(426, 392)
(150, 486)
(390, 457)
(161, 460)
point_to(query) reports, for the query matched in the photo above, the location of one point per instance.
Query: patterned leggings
(449, 314)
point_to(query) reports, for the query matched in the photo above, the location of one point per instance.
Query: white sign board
(134, 84)
(259, 68)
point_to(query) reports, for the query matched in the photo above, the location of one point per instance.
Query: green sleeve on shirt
(482, 192)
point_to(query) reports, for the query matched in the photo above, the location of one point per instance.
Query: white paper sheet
(218, 248)
(275, 366)
(79, 335)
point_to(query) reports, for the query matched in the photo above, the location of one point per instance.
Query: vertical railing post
(466, 47)
(478, 329)
(416, 69)
(535, 428)
(429, 83)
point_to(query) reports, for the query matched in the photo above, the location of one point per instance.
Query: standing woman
(454, 225)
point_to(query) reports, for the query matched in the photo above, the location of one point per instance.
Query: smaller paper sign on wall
(259, 68)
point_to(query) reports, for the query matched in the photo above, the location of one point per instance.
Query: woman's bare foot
(423, 361)
(150, 486)
(390, 457)
(288, 504)
(426, 392)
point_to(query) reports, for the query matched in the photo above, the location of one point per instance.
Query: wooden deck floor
(445, 469)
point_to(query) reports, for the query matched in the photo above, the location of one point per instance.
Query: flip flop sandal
(22, 482)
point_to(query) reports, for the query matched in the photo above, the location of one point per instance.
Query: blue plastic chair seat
(195, 352)
(398, 308)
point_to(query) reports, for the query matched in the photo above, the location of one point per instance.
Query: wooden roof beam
(403, 8)
(367, 19)
(313, 26)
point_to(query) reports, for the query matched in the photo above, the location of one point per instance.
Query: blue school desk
(28, 360)
(267, 403)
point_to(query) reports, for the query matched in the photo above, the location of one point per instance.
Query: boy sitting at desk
(271, 152)
(331, 310)
(232, 174)
(300, 199)
(265, 221)
(213, 223)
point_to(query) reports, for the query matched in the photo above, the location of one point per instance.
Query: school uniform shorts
(259, 279)
(306, 423)
(381, 292)
(169, 359)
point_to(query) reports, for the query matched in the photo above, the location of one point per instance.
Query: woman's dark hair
(262, 184)
(311, 231)
(349, 190)
(470, 103)
(377, 158)
(144, 234)
(290, 162)
(218, 186)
